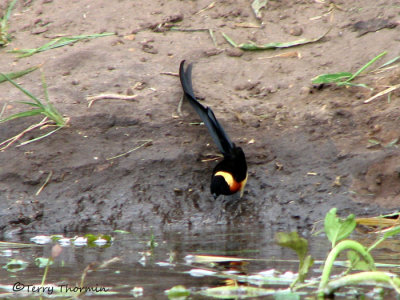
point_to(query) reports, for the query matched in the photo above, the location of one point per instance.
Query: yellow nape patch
(227, 176)
(233, 185)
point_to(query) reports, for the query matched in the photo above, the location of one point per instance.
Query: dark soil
(308, 148)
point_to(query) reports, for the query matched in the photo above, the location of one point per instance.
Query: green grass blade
(392, 61)
(391, 232)
(46, 46)
(53, 114)
(367, 65)
(331, 78)
(31, 104)
(229, 40)
(17, 74)
(6, 17)
(29, 52)
(92, 36)
(21, 89)
(59, 42)
(354, 84)
(274, 45)
(4, 36)
(28, 113)
(50, 110)
(40, 137)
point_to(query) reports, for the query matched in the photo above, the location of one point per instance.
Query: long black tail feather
(217, 132)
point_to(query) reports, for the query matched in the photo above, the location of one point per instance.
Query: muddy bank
(167, 184)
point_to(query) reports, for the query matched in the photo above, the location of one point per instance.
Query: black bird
(230, 175)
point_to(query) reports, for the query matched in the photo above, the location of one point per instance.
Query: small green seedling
(345, 78)
(4, 36)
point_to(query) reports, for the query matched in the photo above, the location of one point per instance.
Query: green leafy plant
(46, 108)
(345, 78)
(4, 36)
(152, 244)
(337, 231)
(358, 270)
(300, 246)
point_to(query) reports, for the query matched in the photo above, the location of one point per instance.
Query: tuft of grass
(58, 42)
(46, 108)
(4, 36)
(345, 78)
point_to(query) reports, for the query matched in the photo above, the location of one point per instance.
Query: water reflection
(149, 262)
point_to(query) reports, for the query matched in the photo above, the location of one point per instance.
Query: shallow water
(144, 270)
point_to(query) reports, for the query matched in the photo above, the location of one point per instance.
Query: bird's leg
(179, 109)
(221, 207)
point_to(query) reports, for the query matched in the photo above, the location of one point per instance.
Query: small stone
(129, 92)
(174, 18)
(39, 30)
(296, 31)
(149, 49)
(304, 90)
(234, 52)
(212, 52)
(246, 86)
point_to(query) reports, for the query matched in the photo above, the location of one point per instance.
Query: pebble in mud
(212, 52)
(295, 31)
(149, 49)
